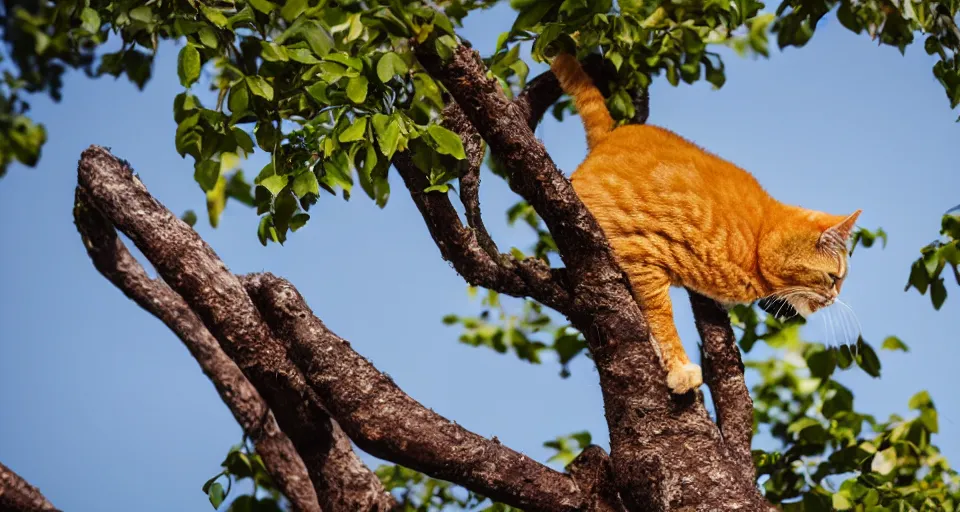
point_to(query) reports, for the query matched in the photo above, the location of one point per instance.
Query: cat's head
(804, 258)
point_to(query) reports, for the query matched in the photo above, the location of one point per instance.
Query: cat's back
(638, 165)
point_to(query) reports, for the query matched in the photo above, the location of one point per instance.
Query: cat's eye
(835, 278)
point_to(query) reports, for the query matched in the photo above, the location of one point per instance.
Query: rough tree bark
(666, 453)
(16, 494)
(339, 478)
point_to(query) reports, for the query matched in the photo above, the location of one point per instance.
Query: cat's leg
(652, 289)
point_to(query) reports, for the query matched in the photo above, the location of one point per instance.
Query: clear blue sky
(103, 409)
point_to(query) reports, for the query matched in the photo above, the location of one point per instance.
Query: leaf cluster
(926, 273)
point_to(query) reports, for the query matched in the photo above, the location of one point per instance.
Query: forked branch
(114, 261)
(292, 359)
(112, 196)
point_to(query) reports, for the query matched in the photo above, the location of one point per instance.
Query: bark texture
(385, 422)
(723, 372)
(206, 305)
(114, 261)
(17, 495)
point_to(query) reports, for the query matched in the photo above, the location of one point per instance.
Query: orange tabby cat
(676, 215)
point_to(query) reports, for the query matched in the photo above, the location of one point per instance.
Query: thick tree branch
(194, 272)
(373, 411)
(115, 262)
(666, 452)
(387, 423)
(723, 371)
(17, 495)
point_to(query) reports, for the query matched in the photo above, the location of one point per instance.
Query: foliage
(867, 238)
(527, 334)
(925, 272)
(416, 492)
(332, 92)
(241, 463)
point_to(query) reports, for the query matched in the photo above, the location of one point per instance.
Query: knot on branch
(593, 473)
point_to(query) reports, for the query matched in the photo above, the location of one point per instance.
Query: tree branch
(216, 296)
(527, 278)
(115, 262)
(723, 372)
(373, 411)
(454, 120)
(17, 495)
(666, 452)
(387, 423)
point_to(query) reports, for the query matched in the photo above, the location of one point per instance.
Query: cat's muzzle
(778, 307)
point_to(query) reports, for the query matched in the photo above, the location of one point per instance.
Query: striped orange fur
(677, 215)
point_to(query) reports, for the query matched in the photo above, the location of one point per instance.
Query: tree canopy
(342, 93)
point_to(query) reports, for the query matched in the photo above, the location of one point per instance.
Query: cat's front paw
(684, 378)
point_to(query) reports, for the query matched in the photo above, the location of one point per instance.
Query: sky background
(103, 409)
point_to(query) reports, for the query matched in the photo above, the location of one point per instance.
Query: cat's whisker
(852, 314)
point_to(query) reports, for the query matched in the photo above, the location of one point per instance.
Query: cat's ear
(836, 235)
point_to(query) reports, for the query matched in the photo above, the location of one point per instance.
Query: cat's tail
(589, 102)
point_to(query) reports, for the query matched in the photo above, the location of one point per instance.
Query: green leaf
(388, 133)
(188, 65)
(920, 400)
(208, 37)
(306, 183)
(298, 220)
(239, 99)
(357, 89)
(143, 14)
(822, 363)
(840, 502)
(206, 173)
(267, 135)
(260, 87)
(90, 20)
(215, 16)
(930, 421)
(531, 15)
(894, 343)
(292, 9)
(867, 358)
(389, 66)
(272, 52)
(448, 142)
(437, 188)
(264, 6)
(216, 495)
(243, 139)
(938, 293)
(356, 131)
(884, 461)
(275, 183)
(302, 55)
